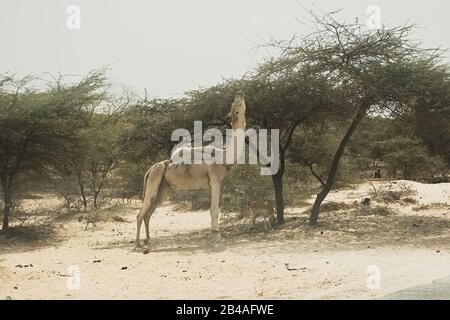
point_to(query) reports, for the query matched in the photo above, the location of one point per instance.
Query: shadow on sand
(30, 237)
(336, 230)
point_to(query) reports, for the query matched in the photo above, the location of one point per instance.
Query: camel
(171, 174)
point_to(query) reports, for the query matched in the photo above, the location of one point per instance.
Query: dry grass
(18, 238)
(431, 206)
(377, 211)
(408, 200)
(336, 206)
(385, 194)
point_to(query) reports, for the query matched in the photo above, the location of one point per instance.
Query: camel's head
(237, 112)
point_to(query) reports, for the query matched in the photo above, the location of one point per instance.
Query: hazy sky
(172, 46)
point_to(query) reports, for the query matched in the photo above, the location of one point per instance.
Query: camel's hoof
(138, 245)
(146, 241)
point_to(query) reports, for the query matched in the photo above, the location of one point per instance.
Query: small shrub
(390, 196)
(386, 195)
(190, 199)
(430, 206)
(376, 211)
(409, 200)
(335, 206)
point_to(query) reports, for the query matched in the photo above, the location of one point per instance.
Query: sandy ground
(295, 261)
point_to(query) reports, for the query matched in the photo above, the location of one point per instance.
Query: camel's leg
(146, 212)
(214, 211)
(147, 209)
(147, 217)
(139, 219)
(152, 181)
(162, 193)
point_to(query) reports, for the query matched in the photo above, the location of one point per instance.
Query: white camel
(170, 174)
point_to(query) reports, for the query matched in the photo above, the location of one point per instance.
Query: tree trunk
(277, 180)
(315, 174)
(97, 193)
(95, 200)
(97, 190)
(7, 199)
(334, 167)
(83, 197)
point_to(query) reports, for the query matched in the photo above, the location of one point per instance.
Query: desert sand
(294, 261)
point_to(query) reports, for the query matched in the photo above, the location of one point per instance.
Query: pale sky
(172, 46)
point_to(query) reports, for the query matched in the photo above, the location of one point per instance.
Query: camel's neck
(235, 145)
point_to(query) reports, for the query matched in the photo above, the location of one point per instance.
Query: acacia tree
(275, 99)
(431, 112)
(94, 150)
(147, 126)
(35, 127)
(88, 162)
(374, 71)
(284, 99)
(409, 156)
(313, 148)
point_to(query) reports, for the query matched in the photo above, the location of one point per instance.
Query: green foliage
(430, 116)
(129, 178)
(244, 183)
(409, 158)
(314, 149)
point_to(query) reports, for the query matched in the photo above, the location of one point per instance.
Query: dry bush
(108, 214)
(387, 195)
(430, 206)
(381, 211)
(336, 206)
(182, 206)
(91, 219)
(374, 211)
(29, 234)
(409, 200)
(190, 199)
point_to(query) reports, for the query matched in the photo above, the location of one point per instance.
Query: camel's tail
(152, 180)
(145, 180)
